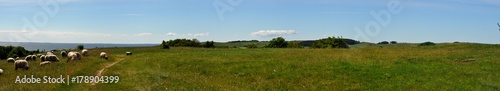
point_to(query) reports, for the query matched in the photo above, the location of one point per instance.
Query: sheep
(38, 55)
(64, 54)
(42, 58)
(50, 53)
(104, 55)
(85, 52)
(1, 71)
(30, 58)
(21, 64)
(51, 58)
(17, 58)
(45, 63)
(33, 57)
(11, 60)
(128, 53)
(72, 56)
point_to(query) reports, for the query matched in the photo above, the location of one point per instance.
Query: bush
(394, 42)
(209, 44)
(383, 42)
(184, 43)
(80, 47)
(253, 45)
(427, 44)
(164, 45)
(330, 42)
(277, 43)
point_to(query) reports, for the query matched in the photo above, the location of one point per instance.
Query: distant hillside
(51, 46)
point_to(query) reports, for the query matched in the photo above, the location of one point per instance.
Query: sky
(151, 21)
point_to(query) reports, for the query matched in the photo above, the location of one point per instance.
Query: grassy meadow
(446, 66)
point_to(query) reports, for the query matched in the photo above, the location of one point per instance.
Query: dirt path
(99, 73)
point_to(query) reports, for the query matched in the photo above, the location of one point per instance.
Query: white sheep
(29, 58)
(45, 63)
(104, 55)
(72, 56)
(33, 57)
(128, 53)
(51, 58)
(85, 52)
(42, 58)
(50, 53)
(1, 71)
(64, 54)
(11, 60)
(21, 64)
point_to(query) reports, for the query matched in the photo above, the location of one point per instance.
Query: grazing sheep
(104, 55)
(11, 60)
(29, 58)
(85, 52)
(21, 64)
(72, 56)
(45, 63)
(17, 58)
(42, 58)
(64, 54)
(33, 57)
(1, 71)
(128, 53)
(51, 58)
(50, 53)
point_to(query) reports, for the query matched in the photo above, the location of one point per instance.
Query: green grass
(364, 67)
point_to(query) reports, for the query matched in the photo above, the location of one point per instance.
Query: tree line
(15, 51)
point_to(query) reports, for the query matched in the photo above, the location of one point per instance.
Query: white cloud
(272, 33)
(144, 34)
(171, 34)
(199, 34)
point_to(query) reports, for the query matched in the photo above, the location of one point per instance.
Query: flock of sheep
(50, 57)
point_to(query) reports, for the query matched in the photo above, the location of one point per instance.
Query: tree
(18, 52)
(164, 45)
(427, 44)
(330, 42)
(3, 52)
(209, 44)
(394, 42)
(80, 47)
(278, 42)
(383, 42)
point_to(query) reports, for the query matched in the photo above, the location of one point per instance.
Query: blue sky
(150, 21)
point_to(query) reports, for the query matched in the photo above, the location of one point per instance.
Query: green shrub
(209, 44)
(427, 44)
(184, 43)
(394, 42)
(80, 47)
(277, 43)
(330, 42)
(164, 45)
(383, 42)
